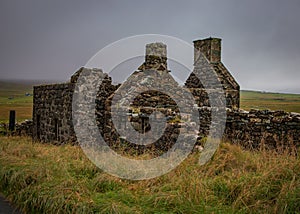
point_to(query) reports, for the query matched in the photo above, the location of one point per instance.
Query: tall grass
(42, 178)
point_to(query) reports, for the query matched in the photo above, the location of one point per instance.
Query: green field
(271, 101)
(12, 97)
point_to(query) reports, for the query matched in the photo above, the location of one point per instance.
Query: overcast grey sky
(50, 40)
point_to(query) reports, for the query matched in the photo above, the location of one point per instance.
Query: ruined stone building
(52, 106)
(52, 111)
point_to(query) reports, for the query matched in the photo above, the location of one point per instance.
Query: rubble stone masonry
(52, 109)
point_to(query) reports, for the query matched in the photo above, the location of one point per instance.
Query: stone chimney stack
(156, 57)
(210, 47)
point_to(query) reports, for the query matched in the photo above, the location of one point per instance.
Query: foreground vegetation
(60, 179)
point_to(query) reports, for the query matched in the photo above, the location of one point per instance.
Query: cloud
(51, 39)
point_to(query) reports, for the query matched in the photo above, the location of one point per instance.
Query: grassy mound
(41, 178)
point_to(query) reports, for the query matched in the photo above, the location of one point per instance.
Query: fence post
(12, 120)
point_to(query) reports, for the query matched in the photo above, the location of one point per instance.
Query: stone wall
(256, 129)
(52, 109)
(263, 129)
(24, 129)
(52, 113)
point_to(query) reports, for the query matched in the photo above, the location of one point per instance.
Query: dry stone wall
(24, 128)
(263, 129)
